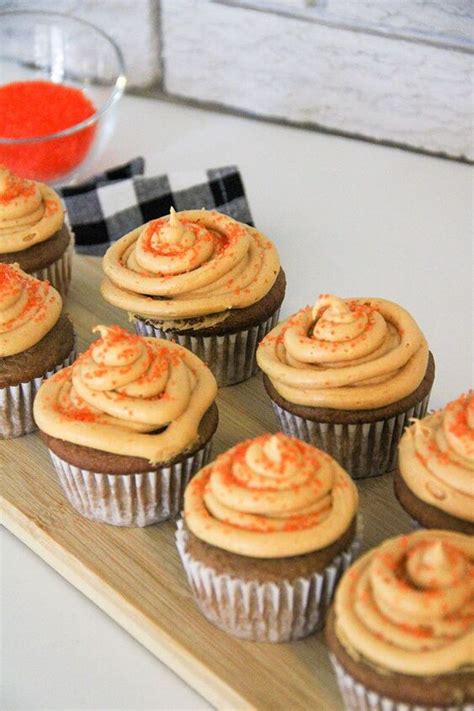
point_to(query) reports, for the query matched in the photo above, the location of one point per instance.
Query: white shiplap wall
(382, 87)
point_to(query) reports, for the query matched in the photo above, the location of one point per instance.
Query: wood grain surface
(135, 576)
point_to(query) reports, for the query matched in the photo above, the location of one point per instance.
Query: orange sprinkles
(14, 282)
(15, 188)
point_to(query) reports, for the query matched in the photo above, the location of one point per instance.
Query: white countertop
(349, 218)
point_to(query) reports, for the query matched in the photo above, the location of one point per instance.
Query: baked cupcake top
(196, 263)
(271, 497)
(128, 395)
(30, 212)
(408, 605)
(29, 308)
(436, 458)
(350, 354)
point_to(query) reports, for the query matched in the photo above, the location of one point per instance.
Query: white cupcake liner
(140, 499)
(231, 357)
(16, 402)
(58, 273)
(358, 697)
(264, 612)
(364, 449)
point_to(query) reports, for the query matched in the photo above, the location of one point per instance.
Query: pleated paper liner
(364, 449)
(269, 611)
(140, 499)
(231, 357)
(358, 697)
(16, 403)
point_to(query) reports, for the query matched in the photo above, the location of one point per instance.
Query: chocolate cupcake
(401, 632)
(36, 340)
(127, 426)
(201, 279)
(267, 530)
(33, 232)
(434, 481)
(347, 376)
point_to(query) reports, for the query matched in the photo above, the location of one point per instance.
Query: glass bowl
(64, 50)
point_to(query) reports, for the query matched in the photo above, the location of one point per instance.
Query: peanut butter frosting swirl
(193, 263)
(408, 606)
(352, 354)
(271, 497)
(128, 395)
(30, 212)
(436, 458)
(29, 308)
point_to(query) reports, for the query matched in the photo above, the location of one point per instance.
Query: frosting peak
(16, 193)
(408, 606)
(176, 232)
(354, 330)
(120, 364)
(271, 497)
(275, 455)
(128, 395)
(29, 308)
(435, 565)
(115, 346)
(333, 307)
(197, 262)
(173, 246)
(436, 458)
(30, 212)
(345, 354)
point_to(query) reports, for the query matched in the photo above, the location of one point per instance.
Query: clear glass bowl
(65, 50)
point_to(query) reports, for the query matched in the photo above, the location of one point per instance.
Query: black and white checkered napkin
(115, 202)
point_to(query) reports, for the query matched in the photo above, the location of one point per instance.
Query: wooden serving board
(135, 575)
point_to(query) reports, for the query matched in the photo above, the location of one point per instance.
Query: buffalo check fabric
(111, 204)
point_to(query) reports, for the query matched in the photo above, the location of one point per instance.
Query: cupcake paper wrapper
(263, 612)
(58, 273)
(16, 403)
(363, 449)
(139, 499)
(358, 697)
(231, 357)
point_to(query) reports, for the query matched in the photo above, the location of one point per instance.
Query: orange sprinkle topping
(37, 292)
(16, 187)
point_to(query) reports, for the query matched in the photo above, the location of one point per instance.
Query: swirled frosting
(194, 263)
(29, 308)
(128, 395)
(436, 458)
(408, 606)
(352, 354)
(30, 212)
(271, 497)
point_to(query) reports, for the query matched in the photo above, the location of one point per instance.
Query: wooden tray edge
(155, 640)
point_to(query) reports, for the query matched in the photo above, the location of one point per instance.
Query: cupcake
(33, 232)
(36, 340)
(434, 481)
(203, 280)
(267, 530)
(127, 426)
(347, 376)
(401, 632)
